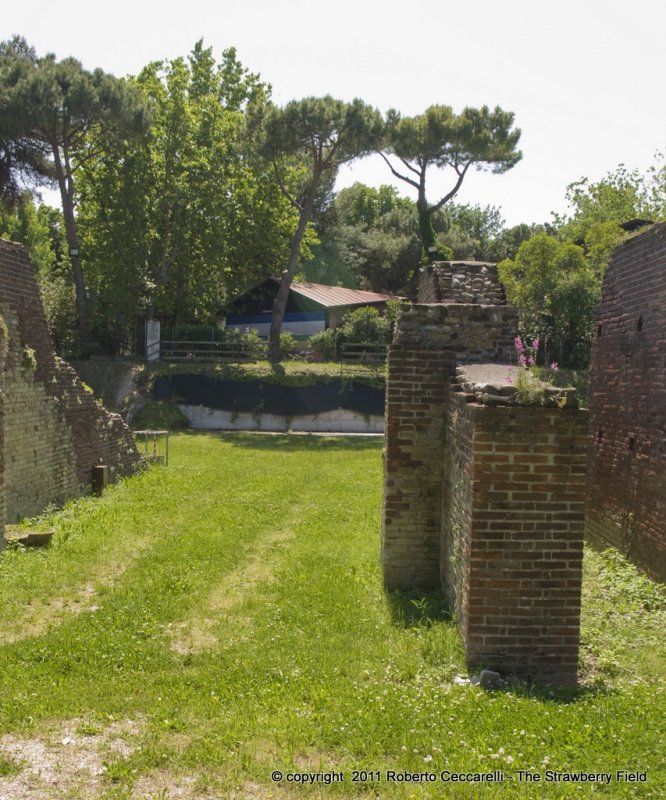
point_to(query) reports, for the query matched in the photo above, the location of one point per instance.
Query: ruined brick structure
(52, 430)
(483, 496)
(626, 492)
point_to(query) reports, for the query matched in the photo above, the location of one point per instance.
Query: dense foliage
(369, 239)
(362, 325)
(64, 113)
(555, 280)
(181, 221)
(556, 291)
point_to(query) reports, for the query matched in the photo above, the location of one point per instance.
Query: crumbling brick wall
(626, 492)
(461, 282)
(54, 431)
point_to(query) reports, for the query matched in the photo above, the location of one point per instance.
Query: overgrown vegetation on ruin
(207, 623)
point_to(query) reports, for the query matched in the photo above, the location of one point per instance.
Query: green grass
(223, 617)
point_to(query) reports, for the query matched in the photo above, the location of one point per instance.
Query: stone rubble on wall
(461, 282)
(471, 332)
(492, 384)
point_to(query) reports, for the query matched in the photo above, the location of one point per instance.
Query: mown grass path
(205, 624)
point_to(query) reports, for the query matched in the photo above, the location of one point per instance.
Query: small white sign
(152, 340)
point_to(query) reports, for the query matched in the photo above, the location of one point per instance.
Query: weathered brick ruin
(52, 430)
(483, 496)
(626, 492)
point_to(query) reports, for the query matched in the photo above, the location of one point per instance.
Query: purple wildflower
(535, 344)
(522, 360)
(554, 366)
(520, 347)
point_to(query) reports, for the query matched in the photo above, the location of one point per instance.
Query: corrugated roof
(331, 296)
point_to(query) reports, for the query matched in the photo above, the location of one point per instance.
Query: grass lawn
(208, 623)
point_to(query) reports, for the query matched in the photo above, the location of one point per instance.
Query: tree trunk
(288, 274)
(427, 233)
(66, 185)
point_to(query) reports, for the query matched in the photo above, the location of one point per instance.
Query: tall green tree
(323, 134)
(65, 112)
(180, 220)
(477, 137)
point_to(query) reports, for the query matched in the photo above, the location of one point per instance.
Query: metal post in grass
(155, 434)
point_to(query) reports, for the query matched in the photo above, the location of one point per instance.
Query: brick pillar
(416, 397)
(429, 340)
(512, 535)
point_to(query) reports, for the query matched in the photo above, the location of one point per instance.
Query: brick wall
(428, 341)
(461, 282)
(512, 535)
(626, 494)
(54, 430)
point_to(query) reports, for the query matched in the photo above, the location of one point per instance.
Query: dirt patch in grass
(40, 615)
(34, 618)
(67, 762)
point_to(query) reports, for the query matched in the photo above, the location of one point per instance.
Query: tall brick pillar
(429, 340)
(483, 494)
(415, 418)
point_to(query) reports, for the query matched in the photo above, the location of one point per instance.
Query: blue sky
(584, 79)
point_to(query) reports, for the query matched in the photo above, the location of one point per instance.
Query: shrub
(324, 343)
(287, 343)
(365, 325)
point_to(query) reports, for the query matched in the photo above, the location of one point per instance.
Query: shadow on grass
(414, 609)
(292, 442)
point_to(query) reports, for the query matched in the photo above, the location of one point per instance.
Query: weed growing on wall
(530, 389)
